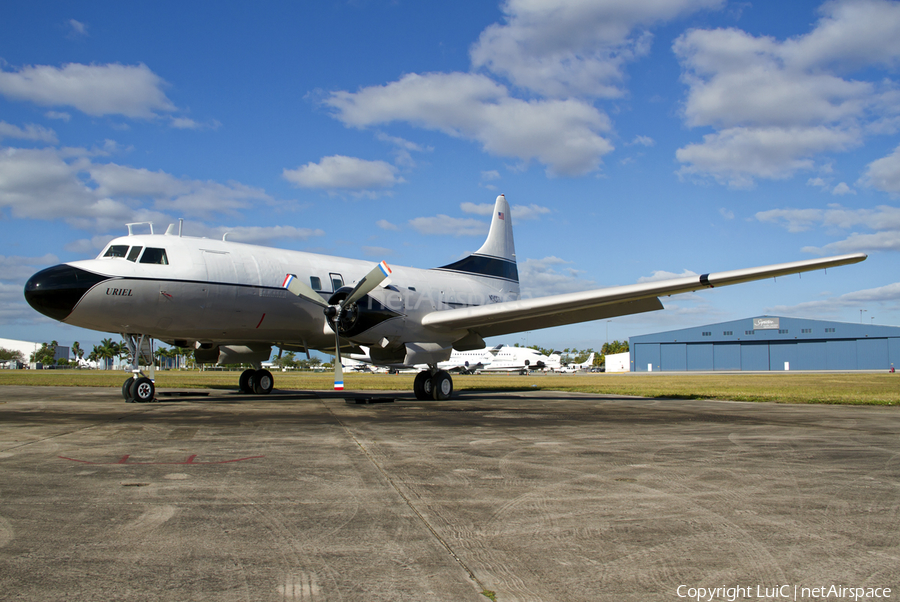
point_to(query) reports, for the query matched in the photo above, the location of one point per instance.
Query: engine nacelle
(233, 354)
(364, 315)
(389, 322)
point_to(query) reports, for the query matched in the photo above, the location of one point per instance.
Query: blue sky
(634, 139)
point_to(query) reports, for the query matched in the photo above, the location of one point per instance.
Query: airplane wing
(570, 308)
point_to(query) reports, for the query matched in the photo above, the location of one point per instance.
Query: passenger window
(315, 282)
(152, 255)
(116, 251)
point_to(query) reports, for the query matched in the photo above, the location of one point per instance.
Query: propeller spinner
(367, 284)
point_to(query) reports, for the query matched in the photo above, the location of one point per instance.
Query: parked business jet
(500, 358)
(232, 302)
(573, 367)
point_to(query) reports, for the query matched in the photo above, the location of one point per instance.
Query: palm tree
(78, 352)
(94, 355)
(108, 351)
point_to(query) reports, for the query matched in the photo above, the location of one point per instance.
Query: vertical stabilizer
(499, 242)
(497, 256)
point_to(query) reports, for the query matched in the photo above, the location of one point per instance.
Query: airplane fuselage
(218, 291)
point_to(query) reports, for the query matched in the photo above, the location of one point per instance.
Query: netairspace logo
(781, 592)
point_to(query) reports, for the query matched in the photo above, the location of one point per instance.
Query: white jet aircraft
(585, 365)
(232, 302)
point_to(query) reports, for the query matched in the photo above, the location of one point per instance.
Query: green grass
(836, 388)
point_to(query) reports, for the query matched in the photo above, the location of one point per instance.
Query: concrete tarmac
(519, 496)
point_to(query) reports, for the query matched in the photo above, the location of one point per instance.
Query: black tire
(442, 386)
(246, 381)
(263, 382)
(422, 386)
(126, 390)
(143, 390)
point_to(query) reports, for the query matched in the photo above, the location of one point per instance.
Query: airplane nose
(56, 291)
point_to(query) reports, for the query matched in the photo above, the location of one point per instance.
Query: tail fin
(497, 256)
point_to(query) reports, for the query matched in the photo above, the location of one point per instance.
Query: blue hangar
(768, 343)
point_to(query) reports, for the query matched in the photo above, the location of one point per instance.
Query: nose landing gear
(139, 388)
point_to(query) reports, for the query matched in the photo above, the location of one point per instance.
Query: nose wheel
(437, 386)
(138, 390)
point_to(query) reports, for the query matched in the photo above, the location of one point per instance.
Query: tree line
(105, 354)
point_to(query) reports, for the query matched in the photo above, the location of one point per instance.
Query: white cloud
(883, 221)
(526, 212)
(643, 141)
(737, 156)
(19, 269)
(62, 116)
(551, 276)
(112, 89)
(377, 251)
(386, 225)
(886, 297)
(564, 135)
(842, 189)
(449, 226)
(477, 208)
(795, 220)
(777, 105)
(344, 173)
(51, 184)
(184, 123)
(663, 275)
(573, 47)
(77, 28)
(31, 132)
(884, 174)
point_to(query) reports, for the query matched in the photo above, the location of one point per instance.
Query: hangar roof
(769, 328)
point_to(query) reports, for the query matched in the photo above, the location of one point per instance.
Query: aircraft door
(221, 274)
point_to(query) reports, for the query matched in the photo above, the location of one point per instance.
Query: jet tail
(497, 256)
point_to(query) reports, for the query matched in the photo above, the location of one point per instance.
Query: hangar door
(673, 357)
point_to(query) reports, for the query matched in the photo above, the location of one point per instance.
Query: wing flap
(570, 308)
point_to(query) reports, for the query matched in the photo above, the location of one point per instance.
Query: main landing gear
(433, 384)
(258, 381)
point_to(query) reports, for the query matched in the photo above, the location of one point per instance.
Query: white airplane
(517, 359)
(572, 367)
(232, 302)
(501, 358)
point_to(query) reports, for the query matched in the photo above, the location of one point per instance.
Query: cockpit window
(315, 282)
(133, 254)
(116, 251)
(153, 255)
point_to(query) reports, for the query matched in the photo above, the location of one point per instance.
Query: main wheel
(263, 381)
(422, 386)
(142, 390)
(442, 386)
(246, 381)
(126, 390)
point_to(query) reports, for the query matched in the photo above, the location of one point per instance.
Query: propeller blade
(296, 286)
(338, 367)
(368, 283)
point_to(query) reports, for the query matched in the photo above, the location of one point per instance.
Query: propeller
(367, 284)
